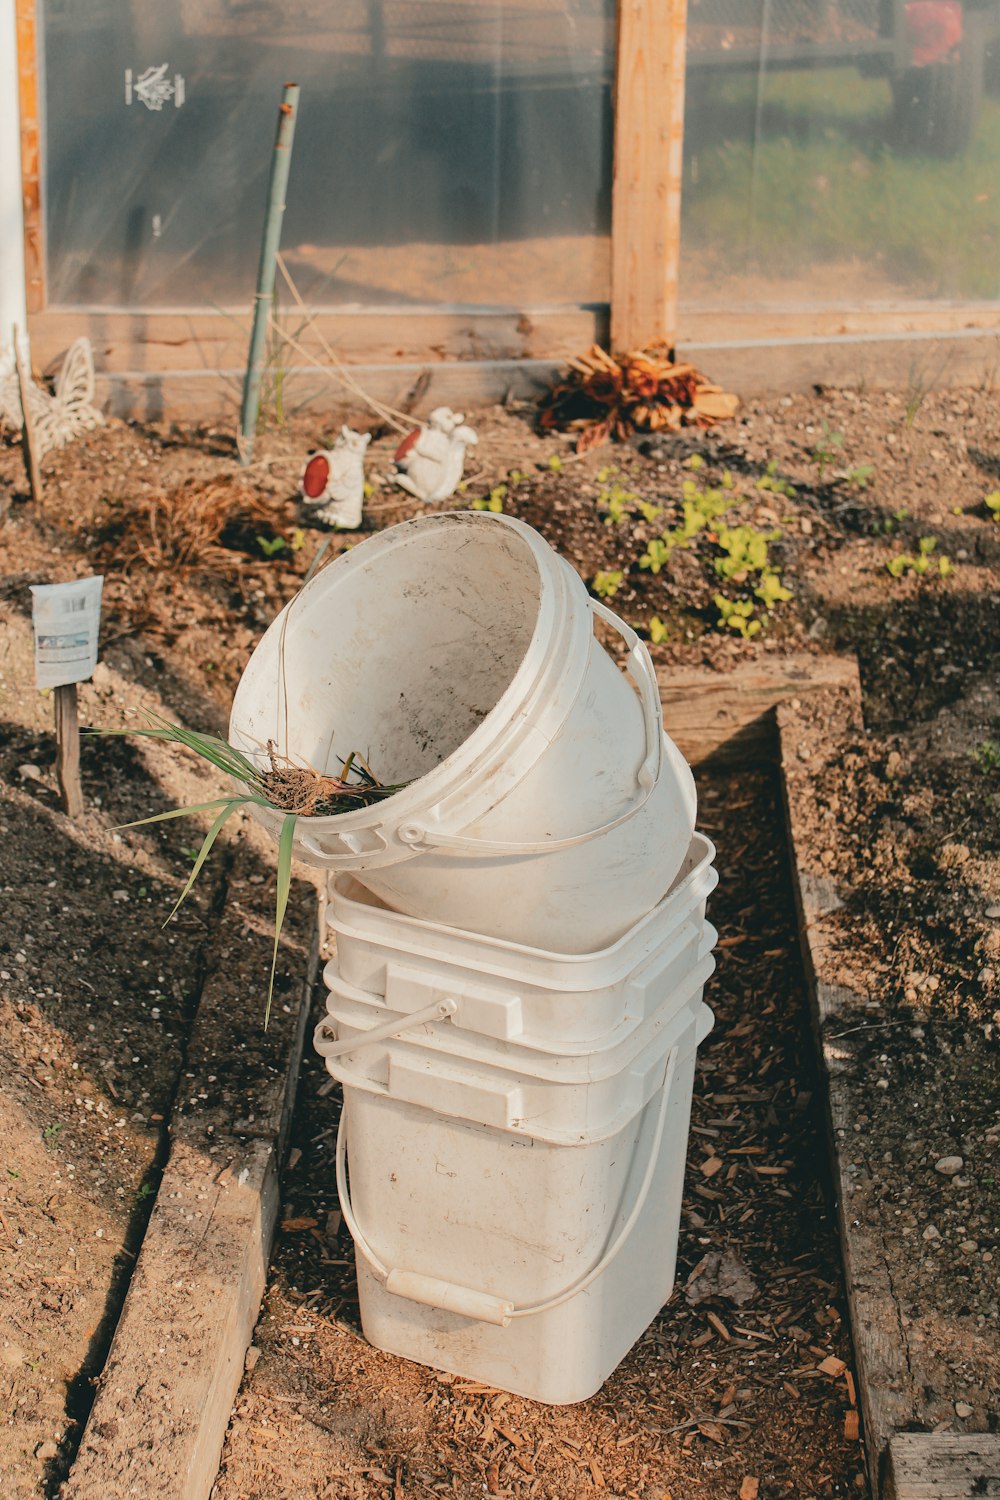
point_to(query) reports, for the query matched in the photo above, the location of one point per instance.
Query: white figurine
(333, 481)
(429, 462)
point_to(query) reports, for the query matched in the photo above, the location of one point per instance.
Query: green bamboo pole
(280, 162)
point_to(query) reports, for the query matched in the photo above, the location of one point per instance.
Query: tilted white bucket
(457, 652)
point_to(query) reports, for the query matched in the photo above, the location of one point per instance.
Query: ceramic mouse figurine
(430, 460)
(333, 481)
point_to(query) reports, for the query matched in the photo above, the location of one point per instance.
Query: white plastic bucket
(426, 1059)
(513, 1259)
(552, 1001)
(457, 652)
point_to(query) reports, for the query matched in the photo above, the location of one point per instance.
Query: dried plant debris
(721, 1273)
(646, 391)
(197, 527)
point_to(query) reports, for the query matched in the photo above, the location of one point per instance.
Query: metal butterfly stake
(59, 416)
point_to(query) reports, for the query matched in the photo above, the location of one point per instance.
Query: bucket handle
(484, 1306)
(640, 668)
(328, 1046)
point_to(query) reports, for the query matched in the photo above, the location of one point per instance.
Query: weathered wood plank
(194, 339)
(886, 1392)
(646, 191)
(727, 717)
(26, 12)
(943, 1466)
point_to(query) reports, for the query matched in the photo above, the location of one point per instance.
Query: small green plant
(696, 461)
(889, 524)
(51, 1133)
(280, 785)
(771, 591)
(554, 463)
(737, 614)
(988, 756)
(858, 478)
(298, 540)
(145, 1191)
(825, 453)
(607, 582)
(992, 503)
(745, 549)
(656, 555)
(770, 481)
(650, 513)
(657, 630)
(924, 561)
(493, 501)
(271, 545)
(618, 502)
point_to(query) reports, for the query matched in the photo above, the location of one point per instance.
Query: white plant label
(66, 618)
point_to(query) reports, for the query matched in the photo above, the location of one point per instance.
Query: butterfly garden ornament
(60, 416)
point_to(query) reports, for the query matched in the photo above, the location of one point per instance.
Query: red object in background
(407, 444)
(315, 476)
(934, 29)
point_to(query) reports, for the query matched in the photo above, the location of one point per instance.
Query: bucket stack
(515, 1003)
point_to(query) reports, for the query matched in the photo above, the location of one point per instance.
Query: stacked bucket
(515, 1003)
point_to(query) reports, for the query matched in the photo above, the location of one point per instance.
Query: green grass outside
(824, 186)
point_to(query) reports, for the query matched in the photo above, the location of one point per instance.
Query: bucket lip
(517, 955)
(555, 579)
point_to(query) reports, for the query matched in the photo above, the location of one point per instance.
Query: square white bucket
(458, 1225)
(545, 1095)
(542, 999)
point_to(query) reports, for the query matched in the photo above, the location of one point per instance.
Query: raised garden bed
(903, 830)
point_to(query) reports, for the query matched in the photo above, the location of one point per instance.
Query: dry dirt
(907, 811)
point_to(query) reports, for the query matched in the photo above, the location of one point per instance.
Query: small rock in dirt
(949, 1165)
(119, 896)
(963, 1409)
(721, 1274)
(47, 1450)
(993, 912)
(28, 772)
(101, 677)
(253, 1355)
(931, 1232)
(952, 856)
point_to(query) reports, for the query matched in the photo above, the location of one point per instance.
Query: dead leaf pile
(646, 391)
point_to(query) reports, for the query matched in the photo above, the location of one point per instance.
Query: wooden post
(68, 749)
(28, 423)
(26, 13)
(646, 196)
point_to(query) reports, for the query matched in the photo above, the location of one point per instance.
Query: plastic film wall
(840, 154)
(448, 152)
(458, 152)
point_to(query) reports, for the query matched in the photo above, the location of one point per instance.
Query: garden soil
(96, 1002)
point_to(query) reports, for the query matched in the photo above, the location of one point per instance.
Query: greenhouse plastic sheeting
(447, 151)
(458, 152)
(840, 154)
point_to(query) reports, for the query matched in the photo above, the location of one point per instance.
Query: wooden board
(943, 1466)
(31, 174)
(166, 1393)
(646, 190)
(886, 1391)
(728, 717)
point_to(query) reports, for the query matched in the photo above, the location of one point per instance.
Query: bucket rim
(540, 676)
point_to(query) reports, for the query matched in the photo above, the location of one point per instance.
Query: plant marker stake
(281, 160)
(28, 428)
(68, 749)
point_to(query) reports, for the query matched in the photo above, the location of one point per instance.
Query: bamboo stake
(281, 160)
(28, 423)
(68, 749)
